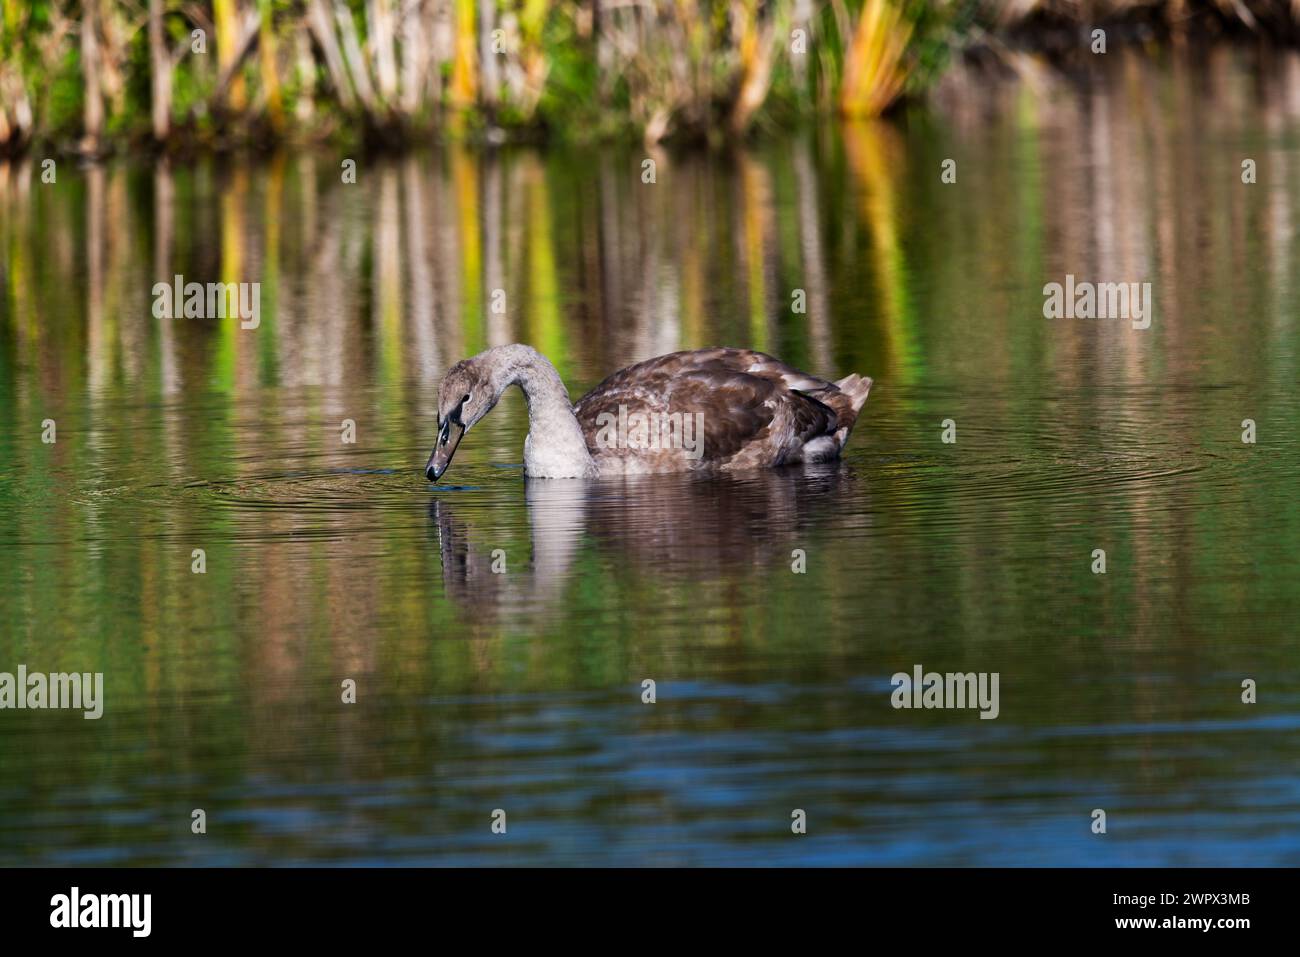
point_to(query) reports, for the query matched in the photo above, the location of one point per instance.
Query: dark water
(522, 691)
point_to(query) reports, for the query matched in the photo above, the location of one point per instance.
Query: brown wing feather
(757, 410)
(812, 416)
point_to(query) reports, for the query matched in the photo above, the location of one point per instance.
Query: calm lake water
(522, 691)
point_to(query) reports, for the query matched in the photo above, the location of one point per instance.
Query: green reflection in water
(328, 560)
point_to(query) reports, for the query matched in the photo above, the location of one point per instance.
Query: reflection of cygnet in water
(704, 527)
(487, 573)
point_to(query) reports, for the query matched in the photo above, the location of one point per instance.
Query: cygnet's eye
(466, 399)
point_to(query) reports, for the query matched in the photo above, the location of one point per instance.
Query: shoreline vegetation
(92, 77)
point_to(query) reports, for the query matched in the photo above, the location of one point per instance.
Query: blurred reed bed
(85, 75)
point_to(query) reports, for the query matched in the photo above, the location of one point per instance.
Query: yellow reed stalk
(874, 68)
(464, 67)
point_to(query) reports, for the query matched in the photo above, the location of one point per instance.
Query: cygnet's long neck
(555, 447)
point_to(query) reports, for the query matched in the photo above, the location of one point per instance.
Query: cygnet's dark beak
(448, 439)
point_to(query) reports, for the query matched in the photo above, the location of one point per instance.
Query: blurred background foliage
(86, 75)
